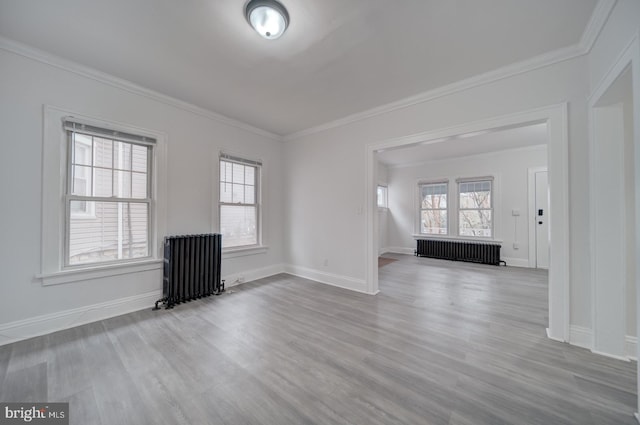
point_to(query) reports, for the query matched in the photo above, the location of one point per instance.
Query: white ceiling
(466, 145)
(338, 57)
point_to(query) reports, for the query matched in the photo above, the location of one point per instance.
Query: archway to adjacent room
(555, 118)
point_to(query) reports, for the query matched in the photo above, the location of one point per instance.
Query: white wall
(325, 171)
(510, 171)
(193, 145)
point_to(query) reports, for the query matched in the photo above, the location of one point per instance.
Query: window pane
(225, 192)
(103, 179)
(238, 173)
(434, 222)
(116, 230)
(122, 159)
(238, 225)
(238, 193)
(122, 184)
(249, 175)
(139, 185)
(226, 169)
(475, 223)
(103, 152)
(82, 149)
(250, 194)
(81, 180)
(382, 196)
(434, 195)
(475, 195)
(139, 157)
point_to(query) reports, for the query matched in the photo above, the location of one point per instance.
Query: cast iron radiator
(191, 268)
(484, 253)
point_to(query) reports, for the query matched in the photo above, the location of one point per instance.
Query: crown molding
(465, 157)
(119, 83)
(505, 72)
(597, 21)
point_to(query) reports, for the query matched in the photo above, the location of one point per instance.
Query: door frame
(556, 117)
(531, 182)
(628, 59)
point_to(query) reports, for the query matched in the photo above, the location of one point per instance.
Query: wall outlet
(516, 245)
(326, 262)
(515, 212)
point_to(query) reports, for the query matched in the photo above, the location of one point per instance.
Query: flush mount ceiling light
(268, 17)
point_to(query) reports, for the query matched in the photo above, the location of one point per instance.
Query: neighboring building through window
(108, 195)
(383, 196)
(433, 208)
(239, 202)
(475, 208)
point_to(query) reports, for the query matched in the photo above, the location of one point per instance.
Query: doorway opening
(554, 119)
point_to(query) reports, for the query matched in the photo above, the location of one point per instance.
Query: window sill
(97, 272)
(458, 238)
(243, 251)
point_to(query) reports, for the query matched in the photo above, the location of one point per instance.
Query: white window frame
(258, 247)
(89, 210)
(54, 191)
(421, 184)
(385, 196)
(89, 199)
(488, 179)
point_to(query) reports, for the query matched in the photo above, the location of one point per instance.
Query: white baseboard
(345, 282)
(401, 250)
(580, 337)
(631, 347)
(48, 323)
(250, 275)
(383, 250)
(583, 337)
(516, 262)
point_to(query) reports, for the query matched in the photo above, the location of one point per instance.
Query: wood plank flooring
(443, 343)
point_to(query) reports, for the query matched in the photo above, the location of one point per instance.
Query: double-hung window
(383, 196)
(108, 195)
(239, 201)
(475, 208)
(433, 208)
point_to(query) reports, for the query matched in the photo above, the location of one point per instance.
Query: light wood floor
(443, 343)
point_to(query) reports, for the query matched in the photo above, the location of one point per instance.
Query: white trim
(243, 252)
(53, 212)
(401, 250)
(581, 337)
(516, 262)
(119, 83)
(98, 272)
(345, 282)
(531, 188)
(596, 23)
(631, 347)
(455, 238)
(457, 158)
(509, 71)
(629, 56)
(558, 164)
(234, 279)
(48, 323)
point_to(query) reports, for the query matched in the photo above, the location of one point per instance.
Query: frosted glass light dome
(268, 17)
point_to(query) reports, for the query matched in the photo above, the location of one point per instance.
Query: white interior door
(541, 216)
